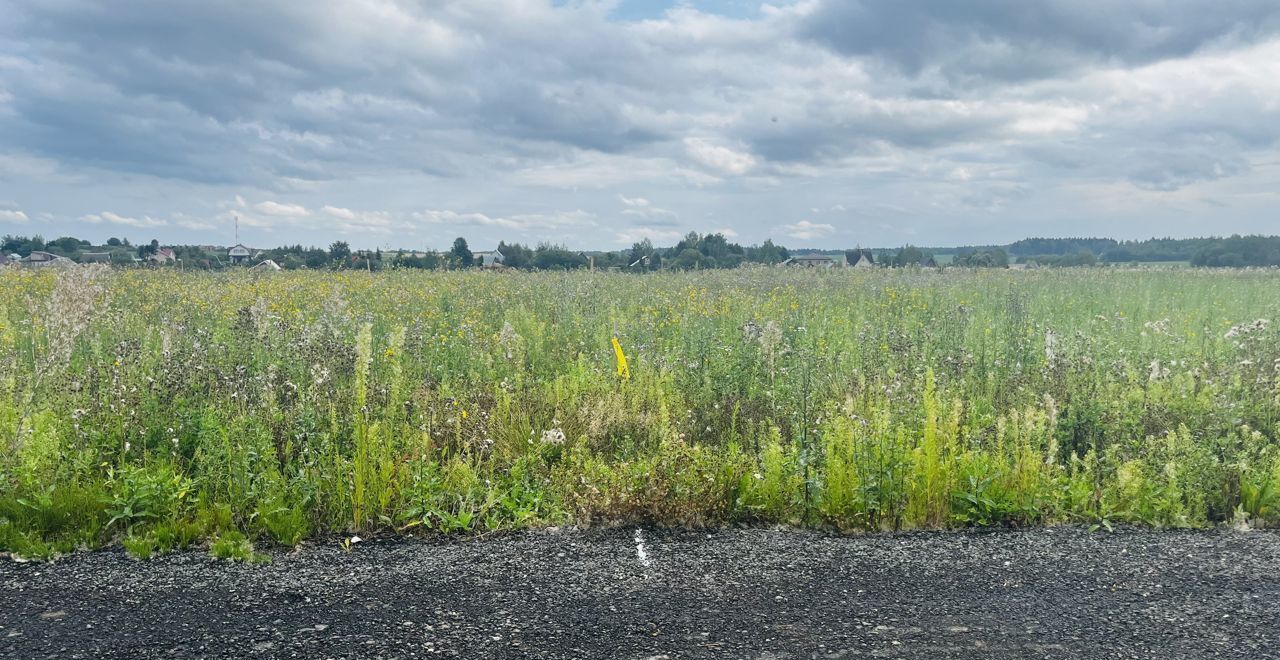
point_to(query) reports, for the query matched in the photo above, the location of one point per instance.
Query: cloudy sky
(596, 123)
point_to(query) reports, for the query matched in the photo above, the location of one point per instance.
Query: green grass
(162, 410)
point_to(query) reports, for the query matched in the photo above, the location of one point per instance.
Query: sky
(594, 124)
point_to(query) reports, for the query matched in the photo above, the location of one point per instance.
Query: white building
(239, 254)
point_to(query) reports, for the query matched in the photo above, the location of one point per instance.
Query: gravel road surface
(629, 593)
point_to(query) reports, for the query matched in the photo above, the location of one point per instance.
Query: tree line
(1229, 251)
(694, 251)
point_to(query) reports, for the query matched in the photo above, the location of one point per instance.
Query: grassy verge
(159, 410)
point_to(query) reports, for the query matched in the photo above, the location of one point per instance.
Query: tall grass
(161, 408)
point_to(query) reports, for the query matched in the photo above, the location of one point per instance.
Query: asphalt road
(755, 593)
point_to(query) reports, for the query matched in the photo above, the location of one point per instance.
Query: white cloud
(463, 219)
(13, 216)
(719, 158)
(282, 210)
(339, 212)
(116, 219)
(805, 230)
(640, 207)
(375, 222)
(519, 222)
(192, 223)
(655, 234)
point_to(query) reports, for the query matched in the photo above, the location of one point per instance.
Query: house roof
(44, 256)
(239, 249)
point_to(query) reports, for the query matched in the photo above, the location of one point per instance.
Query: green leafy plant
(138, 495)
(140, 547)
(235, 546)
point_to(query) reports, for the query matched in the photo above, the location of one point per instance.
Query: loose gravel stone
(740, 593)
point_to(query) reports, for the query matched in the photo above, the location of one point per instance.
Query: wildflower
(553, 437)
(509, 340)
(1256, 327)
(70, 310)
(1160, 327)
(771, 342)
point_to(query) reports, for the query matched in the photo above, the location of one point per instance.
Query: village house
(45, 259)
(865, 259)
(814, 261)
(163, 256)
(493, 259)
(95, 257)
(239, 254)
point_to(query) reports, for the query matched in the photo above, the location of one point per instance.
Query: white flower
(553, 437)
(1160, 327)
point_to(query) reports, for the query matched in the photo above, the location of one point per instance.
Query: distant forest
(1231, 251)
(694, 251)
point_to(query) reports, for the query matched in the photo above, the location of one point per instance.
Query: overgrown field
(160, 409)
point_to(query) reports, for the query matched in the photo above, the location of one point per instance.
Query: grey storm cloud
(1015, 39)
(529, 120)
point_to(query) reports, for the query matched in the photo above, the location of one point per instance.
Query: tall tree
(339, 251)
(461, 253)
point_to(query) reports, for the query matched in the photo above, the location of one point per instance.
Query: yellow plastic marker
(623, 372)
